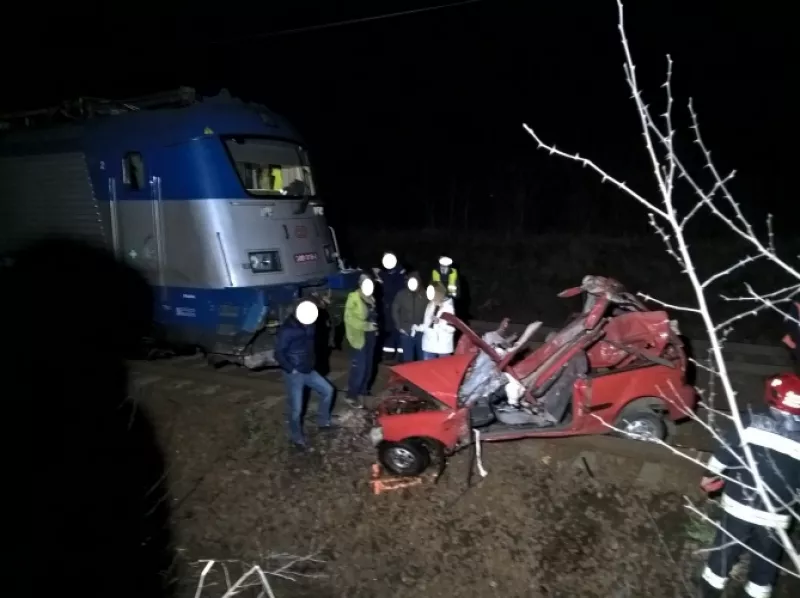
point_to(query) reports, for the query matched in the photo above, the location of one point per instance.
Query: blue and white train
(212, 199)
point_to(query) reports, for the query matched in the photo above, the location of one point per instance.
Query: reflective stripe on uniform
(772, 441)
(754, 516)
(388, 350)
(714, 580)
(714, 465)
(757, 591)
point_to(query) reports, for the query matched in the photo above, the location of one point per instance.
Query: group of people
(406, 319)
(773, 436)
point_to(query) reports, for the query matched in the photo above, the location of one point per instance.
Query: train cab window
(133, 171)
(271, 167)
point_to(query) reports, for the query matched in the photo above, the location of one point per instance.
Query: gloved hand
(371, 327)
(711, 484)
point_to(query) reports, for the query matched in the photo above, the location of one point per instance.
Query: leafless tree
(670, 223)
(234, 577)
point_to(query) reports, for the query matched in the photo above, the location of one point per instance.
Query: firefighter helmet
(783, 393)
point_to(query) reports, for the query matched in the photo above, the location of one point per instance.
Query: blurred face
(413, 284)
(389, 261)
(430, 292)
(367, 287)
(307, 313)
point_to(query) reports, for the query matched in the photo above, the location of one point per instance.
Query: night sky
(419, 116)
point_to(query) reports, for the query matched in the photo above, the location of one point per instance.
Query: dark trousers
(726, 553)
(391, 343)
(411, 346)
(362, 364)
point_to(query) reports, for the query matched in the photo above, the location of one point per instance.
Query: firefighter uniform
(448, 276)
(774, 438)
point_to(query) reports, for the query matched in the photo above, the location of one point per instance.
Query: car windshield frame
(303, 163)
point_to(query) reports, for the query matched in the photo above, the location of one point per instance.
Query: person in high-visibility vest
(448, 276)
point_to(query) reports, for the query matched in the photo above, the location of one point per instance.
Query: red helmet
(783, 393)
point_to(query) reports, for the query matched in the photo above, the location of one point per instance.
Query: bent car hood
(440, 378)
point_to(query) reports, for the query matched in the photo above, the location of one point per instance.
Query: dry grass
(506, 275)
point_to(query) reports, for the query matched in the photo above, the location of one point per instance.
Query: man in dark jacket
(392, 277)
(747, 523)
(408, 311)
(294, 352)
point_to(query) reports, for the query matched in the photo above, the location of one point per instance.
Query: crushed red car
(616, 365)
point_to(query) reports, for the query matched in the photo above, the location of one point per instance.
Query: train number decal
(302, 258)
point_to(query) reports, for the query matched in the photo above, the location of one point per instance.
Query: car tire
(645, 421)
(406, 458)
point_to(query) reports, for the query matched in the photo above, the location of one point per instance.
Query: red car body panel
(633, 354)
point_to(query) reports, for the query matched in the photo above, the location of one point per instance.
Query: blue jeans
(412, 347)
(426, 356)
(362, 363)
(295, 384)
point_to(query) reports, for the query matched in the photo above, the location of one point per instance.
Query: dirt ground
(549, 520)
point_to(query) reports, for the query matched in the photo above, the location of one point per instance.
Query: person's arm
(446, 308)
(353, 315)
(720, 461)
(397, 311)
(282, 342)
(427, 319)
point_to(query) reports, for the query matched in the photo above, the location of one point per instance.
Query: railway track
(192, 370)
(691, 438)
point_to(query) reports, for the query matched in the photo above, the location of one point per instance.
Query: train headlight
(264, 261)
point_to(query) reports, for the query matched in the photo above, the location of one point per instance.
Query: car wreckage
(617, 367)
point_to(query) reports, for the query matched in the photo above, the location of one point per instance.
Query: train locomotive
(212, 199)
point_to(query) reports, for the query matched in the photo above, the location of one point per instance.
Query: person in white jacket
(437, 335)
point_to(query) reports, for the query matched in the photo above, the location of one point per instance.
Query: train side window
(133, 171)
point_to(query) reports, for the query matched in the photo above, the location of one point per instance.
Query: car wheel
(406, 458)
(642, 424)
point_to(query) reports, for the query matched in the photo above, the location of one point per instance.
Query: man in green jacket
(361, 330)
(408, 311)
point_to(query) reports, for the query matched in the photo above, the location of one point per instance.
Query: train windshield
(271, 167)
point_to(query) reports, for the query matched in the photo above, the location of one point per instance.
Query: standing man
(774, 439)
(392, 277)
(408, 311)
(361, 330)
(448, 276)
(294, 352)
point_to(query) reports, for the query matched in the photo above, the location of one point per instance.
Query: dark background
(415, 120)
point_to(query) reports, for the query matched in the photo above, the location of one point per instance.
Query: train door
(136, 209)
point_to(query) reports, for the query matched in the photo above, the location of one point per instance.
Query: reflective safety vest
(452, 280)
(277, 178)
